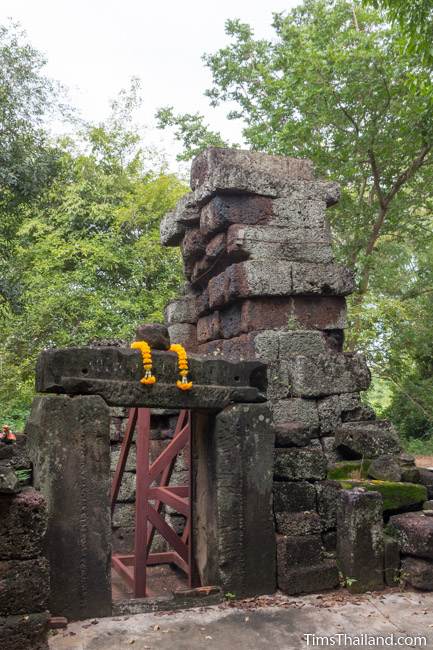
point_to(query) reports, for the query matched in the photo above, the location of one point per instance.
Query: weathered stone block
(329, 540)
(209, 327)
(9, 481)
(124, 515)
(369, 439)
(303, 342)
(414, 531)
(23, 522)
(360, 539)
(426, 478)
(294, 550)
(185, 334)
(182, 310)
(25, 632)
(333, 279)
(24, 586)
(310, 579)
(335, 409)
(171, 230)
(328, 493)
(255, 314)
(268, 243)
(332, 455)
(385, 468)
(302, 213)
(319, 312)
(296, 464)
(193, 245)
(294, 497)
(391, 561)
(328, 374)
(258, 278)
(418, 573)
(236, 539)
(127, 488)
(155, 334)
(297, 410)
(234, 170)
(68, 440)
(173, 224)
(297, 523)
(131, 462)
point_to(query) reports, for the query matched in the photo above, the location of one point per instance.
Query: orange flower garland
(183, 383)
(146, 353)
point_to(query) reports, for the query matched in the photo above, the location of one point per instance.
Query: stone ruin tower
(262, 283)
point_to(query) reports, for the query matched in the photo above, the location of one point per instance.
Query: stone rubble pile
(24, 571)
(262, 283)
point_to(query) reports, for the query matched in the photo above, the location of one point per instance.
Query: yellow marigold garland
(183, 383)
(146, 354)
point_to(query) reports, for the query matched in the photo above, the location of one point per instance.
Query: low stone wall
(24, 571)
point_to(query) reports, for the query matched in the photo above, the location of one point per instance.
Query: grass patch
(395, 495)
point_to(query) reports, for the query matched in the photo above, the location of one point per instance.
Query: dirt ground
(424, 461)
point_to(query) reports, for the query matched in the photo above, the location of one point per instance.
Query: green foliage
(83, 260)
(415, 18)
(190, 130)
(335, 85)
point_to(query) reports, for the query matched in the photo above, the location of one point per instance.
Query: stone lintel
(115, 373)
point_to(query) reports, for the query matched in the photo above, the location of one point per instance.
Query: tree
(87, 260)
(334, 86)
(415, 18)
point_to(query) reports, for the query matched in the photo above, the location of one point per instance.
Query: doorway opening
(157, 558)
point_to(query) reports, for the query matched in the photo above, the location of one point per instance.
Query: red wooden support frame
(152, 484)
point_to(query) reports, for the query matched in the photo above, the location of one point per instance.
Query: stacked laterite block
(263, 283)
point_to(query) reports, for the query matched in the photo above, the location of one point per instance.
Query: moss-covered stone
(395, 495)
(350, 469)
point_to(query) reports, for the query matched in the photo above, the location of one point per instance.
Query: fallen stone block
(385, 468)
(426, 478)
(414, 532)
(308, 580)
(328, 493)
(294, 497)
(23, 522)
(297, 523)
(328, 374)
(369, 439)
(391, 561)
(418, 573)
(24, 632)
(24, 586)
(294, 464)
(360, 539)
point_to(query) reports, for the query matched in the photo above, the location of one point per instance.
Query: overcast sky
(94, 47)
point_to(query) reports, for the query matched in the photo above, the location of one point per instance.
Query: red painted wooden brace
(148, 518)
